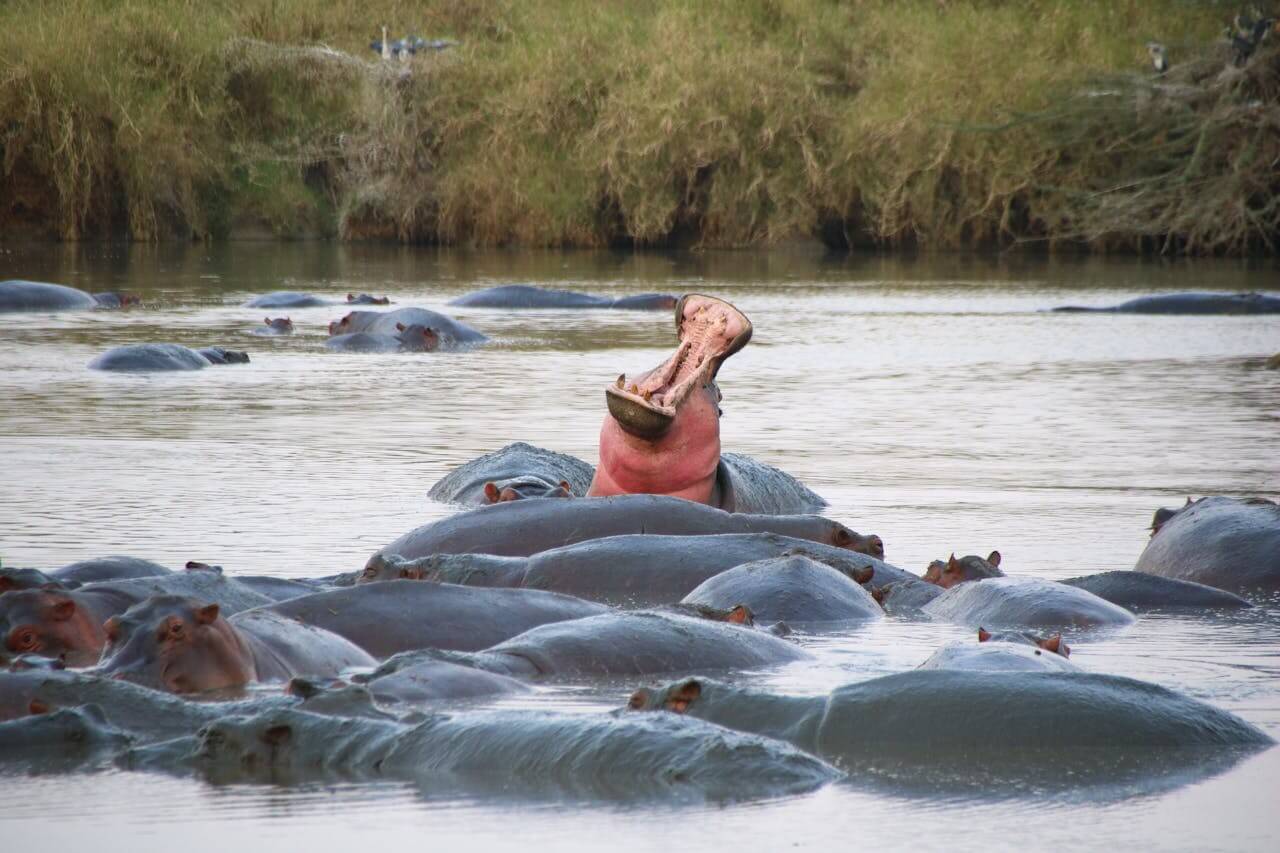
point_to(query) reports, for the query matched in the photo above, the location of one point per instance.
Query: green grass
(965, 123)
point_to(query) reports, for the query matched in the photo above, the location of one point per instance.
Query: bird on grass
(1159, 59)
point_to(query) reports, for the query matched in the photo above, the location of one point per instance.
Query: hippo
(1273, 363)
(987, 713)
(149, 357)
(59, 740)
(286, 299)
(969, 568)
(907, 596)
(639, 570)
(552, 754)
(521, 528)
(54, 622)
(1191, 303)
(274, 327)
(1000, 602)
(527, 296)
(15, 579)
(793, 589)
(1217, 541)
(273, 588)
(220, 355)
(436, 680)
(366, 299)
(621, 643)
(1004, 652)
(185, 645)
(17, 295)
(363, 342)
(113, 568)
(526, 470)
(401, 615)
(452, 333)
(1139, 591)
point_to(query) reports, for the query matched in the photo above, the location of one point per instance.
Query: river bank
(670, 124)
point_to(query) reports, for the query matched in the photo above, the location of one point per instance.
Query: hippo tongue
(710, 330)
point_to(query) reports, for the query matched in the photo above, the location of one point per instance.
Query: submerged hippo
(149, 357)
(640, 570)
(527, 296)
(437, 680)
(661, 434)
(73, 575)
(623, 643)
(220, 355)
(1192, 303)
(452, 333)
(992, 714)
(366, 299)
(286, 299)
(526, 470)
(793, 589)
(184, 645)
(274, 327)
(1218, 541)
(537, 752)
(521, 528)
(1139, 591)
(1004, 652)
(969, 568)
(17, 295)
(397, 616)
(1025, 601)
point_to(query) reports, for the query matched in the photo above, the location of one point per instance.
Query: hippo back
(1140, 590)
(747, 485)
(1219, 541)
(792, 589)
(17, 295)
(107, 569)
(146, 357)
(465, 484)
(283, 648)
(997, 657)
(1024, 601)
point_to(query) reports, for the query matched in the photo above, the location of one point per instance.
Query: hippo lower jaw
(710, 331)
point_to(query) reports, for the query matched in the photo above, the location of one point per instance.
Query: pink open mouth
(710, 330)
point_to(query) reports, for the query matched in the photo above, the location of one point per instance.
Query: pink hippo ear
(351, 297)
(207, 615)
(62, 610)
(983, 635)
(1054, 644)
(491, 493)
(400, 327)
(35, 708)
(564, 484)
(994, 558)
(681, 697)
(267, 320)
(740, 615)
(863, 574)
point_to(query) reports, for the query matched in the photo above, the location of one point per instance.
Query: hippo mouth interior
(710, 330)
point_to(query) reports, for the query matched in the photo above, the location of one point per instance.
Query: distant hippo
(793, 589)
(1192, 303)
(366, 299)
(1009, 652)
(274, 327)
(396, 616)
(1139, 591)
(640, 570)
(76, 574)
(149, 357)
(527, 296)
(452, 333)
(999, 602)
(184, 645)
(521, 528)
(527, 470)
(54, 622)
(286, 299)
(1218, 541)
(219, 355)
(1273, 363)
(538, 752)
(985, 713)
(17, 295)
(623, 643)
(970, 568)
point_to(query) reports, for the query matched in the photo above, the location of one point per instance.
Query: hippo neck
(763, 713)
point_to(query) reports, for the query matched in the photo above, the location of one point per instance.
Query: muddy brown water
(932, 401)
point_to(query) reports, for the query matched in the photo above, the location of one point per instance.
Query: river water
(932, 401)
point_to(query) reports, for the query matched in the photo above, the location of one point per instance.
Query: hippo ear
(681, 697)
(351, 297)
(1188, 503)
(983, 635)
(740, 615)
(994, 558)
(863, 574)
(491, 492)
(267, 320)
(842, 538)
(638, 700)
(36, 708)
(878, 595)
(953, 565)
(564, 484)
(62, 610)
(400, 327)
(1054, 644)
(411, 574)
(207, 615)
(112, 629)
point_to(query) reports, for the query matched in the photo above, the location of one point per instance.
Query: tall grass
(671, 122)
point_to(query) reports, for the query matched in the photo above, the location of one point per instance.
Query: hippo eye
(28, 639)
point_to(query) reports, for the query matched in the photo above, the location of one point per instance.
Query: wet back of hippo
(746, 485)
(1221, 542)
(465, 484)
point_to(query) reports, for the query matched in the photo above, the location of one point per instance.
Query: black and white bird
(1159, 59)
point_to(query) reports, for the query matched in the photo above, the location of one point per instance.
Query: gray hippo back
(1218, 541)
(17, 295)
(466, 483)
(149, 357)
(1025, 601)
(1192, 303)
(792, 589)
(1140, 591)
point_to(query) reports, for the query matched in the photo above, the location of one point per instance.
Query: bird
(383, 47)
(1158, 58)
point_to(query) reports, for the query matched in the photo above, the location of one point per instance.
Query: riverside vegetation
(708, 123)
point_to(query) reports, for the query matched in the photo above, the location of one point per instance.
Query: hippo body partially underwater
(17, 295)
(1219, 541)
(1191, 303)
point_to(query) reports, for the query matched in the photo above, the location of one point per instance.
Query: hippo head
(418, 338)
(366, 299)
(842, 537)
(280, 324)
(970, 568)
(501, 491)
(661, 434)
(49, 623)
(676, 698)
(177, 644)
(392, 567)
(16, 579)
(1052, 644)
(1164, 514)
(343, 326)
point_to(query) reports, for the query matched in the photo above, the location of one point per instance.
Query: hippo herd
(672, 569)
